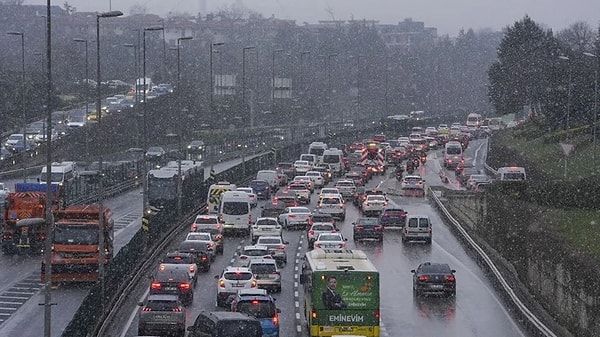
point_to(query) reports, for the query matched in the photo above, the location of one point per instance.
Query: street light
(329, 81)
(101, 248)
(273, 79)
(179, 178)
(23, 114)
(212, 45)
(595, 126)
(145, 127)
(568, 114)
(244, 76)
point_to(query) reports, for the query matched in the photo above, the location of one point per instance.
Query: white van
(317, 148)
(269, 176)
(60, 173)
(512, 174)
(453, 154)
(234, 212)
(334, 157)
(213, 199)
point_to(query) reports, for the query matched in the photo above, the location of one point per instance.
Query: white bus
(317, 148)
(474, 120)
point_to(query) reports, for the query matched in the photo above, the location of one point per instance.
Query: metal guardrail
(523, 309)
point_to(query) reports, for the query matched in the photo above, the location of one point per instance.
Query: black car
(273, 210)
(224, 323)
(199, 250)
(434, 279)
(173, 282)
(367, 228)
(393, 217)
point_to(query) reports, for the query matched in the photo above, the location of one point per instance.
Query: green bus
(341, 293)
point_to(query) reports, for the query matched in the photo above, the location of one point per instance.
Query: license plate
(265, 229)
(436, 286)
(170, 288)
(238, 285)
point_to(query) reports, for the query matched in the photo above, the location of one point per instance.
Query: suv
(173, 282)
(346, 188)
(223, 323)
(199, 251)
(233, 279)
(276, 247)
(257, 303)
(332, 204)
(183, 261)
(266, 273)
(265, 226)
(418, 227)
(160, 315)
(216, 234)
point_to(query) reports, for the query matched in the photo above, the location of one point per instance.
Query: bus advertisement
(341, 293)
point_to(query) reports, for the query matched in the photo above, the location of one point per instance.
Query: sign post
(567, 149)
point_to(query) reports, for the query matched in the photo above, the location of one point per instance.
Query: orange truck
(24, 213)
(75, 243)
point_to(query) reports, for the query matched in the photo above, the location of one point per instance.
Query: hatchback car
(367, 228)
(155, 152)
(254, 252)
(161, 315)
(319, 228)
(209, 220)
(295, 217)
(257, 303)
(207, 239)
(230, 281)
(173, 282)
(374, 204)
(182, 261)
(434, 278)
(332, 204)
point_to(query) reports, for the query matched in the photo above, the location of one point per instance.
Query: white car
(412, 181)
(204, 237)
(346, 188)
(308, 180)
(332, 204)
(302, 192)
(319, 228)
(329, 190)
(232, 280)
(302, 166)
(251, 195)
(374, 203)
(265, 226)
(249, 253)
(330, 241)
(205, 220)
(297, 217)
(317, 178)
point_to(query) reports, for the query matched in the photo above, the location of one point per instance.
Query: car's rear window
(300, 210)
(323, 237)
(256, 252)
(178, 259)
(257, 308)
(161, 305)
(322, 228)
(393, 213)
(418, 222)
(367, 222)
(206, 221)
(266, 222)
(330, 201)
(237, 276)
(239, 328)
(436, 268)
(263, 268)
(268, 241)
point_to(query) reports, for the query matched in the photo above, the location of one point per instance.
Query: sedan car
(413, 185)
(319, 228)
(330, 241)
(173, 282)
(393, 217)
(374, 204)
(295, 217)
(265, 227)
(367, 228)
(435, 279)
(254, 252)
(155, 152)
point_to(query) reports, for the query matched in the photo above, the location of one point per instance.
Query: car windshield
(256, 252)
(199, 236)
(375, 198)
(418, 222)
(330, 201)
(259, 184)
(257, 308)
(322, 227)
(266, 222)
(76, 235)
(453, 150)
(206, 221)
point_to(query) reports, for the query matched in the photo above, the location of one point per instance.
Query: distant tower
(202, 7)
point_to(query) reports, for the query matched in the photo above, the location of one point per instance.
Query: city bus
(341, 293)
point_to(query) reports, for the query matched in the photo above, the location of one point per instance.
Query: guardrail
(530, 318)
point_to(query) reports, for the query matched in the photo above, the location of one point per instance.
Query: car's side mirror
(278, 310)
(454, 271)
(413, 271)
(286, 242)
(141, 304)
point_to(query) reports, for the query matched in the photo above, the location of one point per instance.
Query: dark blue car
(393, 217)
(257, 303)
(261, 188)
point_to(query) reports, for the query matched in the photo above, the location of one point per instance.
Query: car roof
(253, 292)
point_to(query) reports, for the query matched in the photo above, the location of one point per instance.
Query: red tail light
(184, 286)
(194, 228)
(423, 278)
(253, 284)
(282, 247)
(450, 278)
(359, 228)
(377, 315)
(311, 232)
(177, 309)
(221, 283)
(313, 314)
(378, 228)
(146, 309)
(342, 245)
(317, 245)
(155, 285)
(276, 320)
(204, 258)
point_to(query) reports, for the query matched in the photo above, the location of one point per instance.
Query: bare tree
(578, 37)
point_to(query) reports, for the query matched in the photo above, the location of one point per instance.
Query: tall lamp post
(101, 248)
(244, 76)
(273, 79)
(595, 126)
(144, 115)
(329, 81)
(179, 178)
(135, 63)
(87, 92)
(212, 45)
(23, 114)
(568, 114)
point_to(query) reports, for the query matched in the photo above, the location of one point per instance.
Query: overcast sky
(448, 16)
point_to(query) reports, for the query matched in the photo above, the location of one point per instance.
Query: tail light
(221, 283)
(385, 203)
(311, 232)
(192, 269)
(317, 245)
(194, 228)
(367, 204)
(146, 309)
(209, 245)
(342, 245)
(282, 247)
(253, 284)
(313, 314)
(359, 228)
(155, 285)
(378, 228)
(450, 278)
(276, 320)
(423, 278)
(184, 286)
(341, 205)
(204, 258)
(377, 315)
(178, 309)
